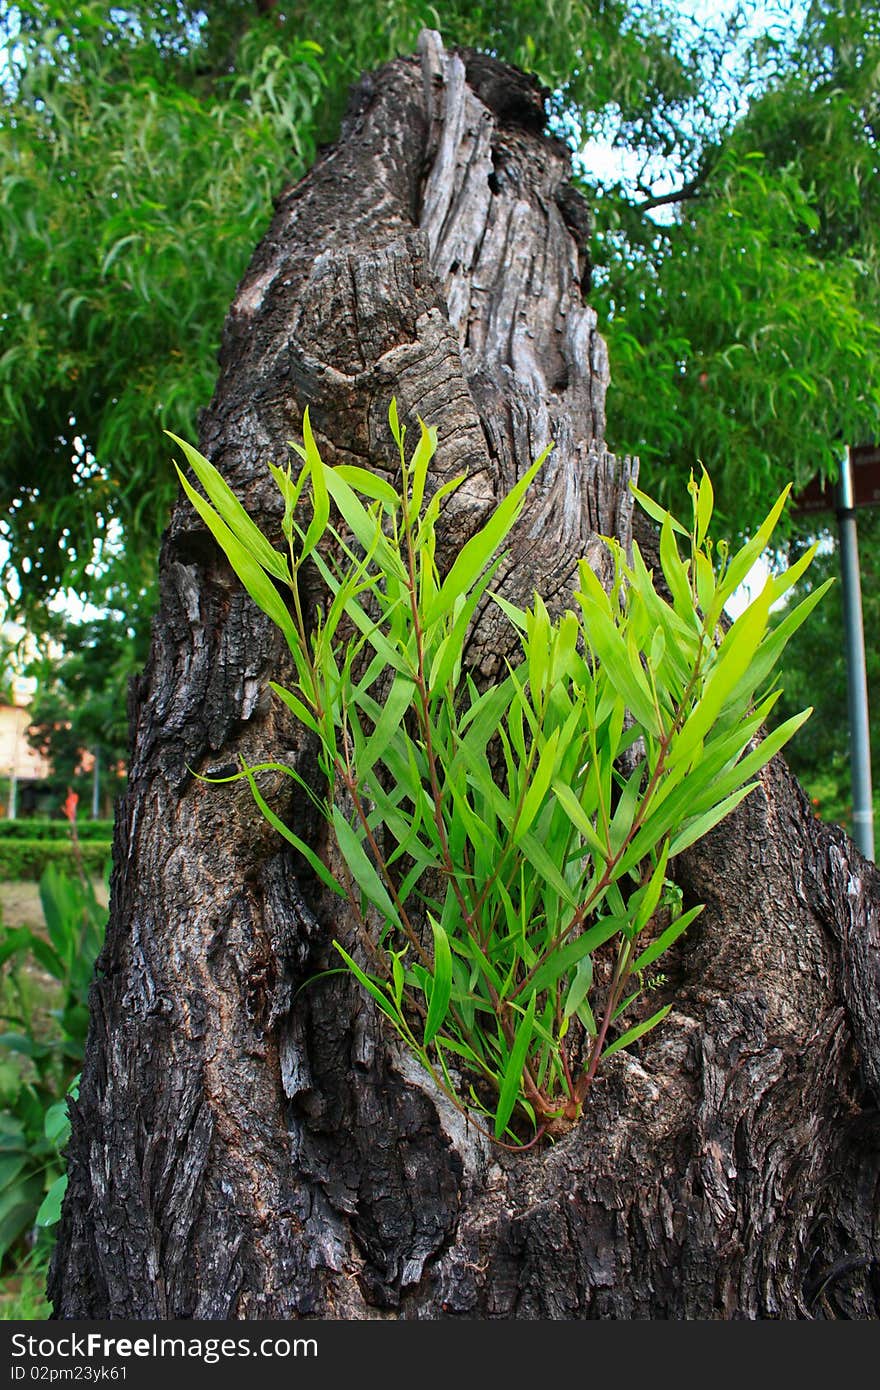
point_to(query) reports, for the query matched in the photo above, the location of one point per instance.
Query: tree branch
(679, 195)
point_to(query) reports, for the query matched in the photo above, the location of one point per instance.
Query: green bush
(505, 851)
(27, 859)
(40, 1054)
(44, 829)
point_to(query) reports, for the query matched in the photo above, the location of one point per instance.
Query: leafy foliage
(140, 150)
(133, 187)
(506, 849)
(743, 329)
(39, 1066)
(80, 706)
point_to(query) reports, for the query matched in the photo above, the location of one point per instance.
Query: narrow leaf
(441, 988)
(638, 1031)
(363, 872)
(695, 829)
(562, 958)
(512, 1080)
(305, 850)
(233, 513)
(479, 550)
(375, 990)
(666, 939)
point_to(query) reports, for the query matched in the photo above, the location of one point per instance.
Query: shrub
(28, 859)
(41, 828)
(39, 1063)
(506, 849)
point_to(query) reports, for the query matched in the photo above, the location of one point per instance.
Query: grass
(23, 1291)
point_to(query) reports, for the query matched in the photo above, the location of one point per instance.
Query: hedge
(44, 829)
(28, 858)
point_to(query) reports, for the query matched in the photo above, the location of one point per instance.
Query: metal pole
(856, 673)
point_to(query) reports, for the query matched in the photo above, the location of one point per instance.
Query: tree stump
(244, 1148)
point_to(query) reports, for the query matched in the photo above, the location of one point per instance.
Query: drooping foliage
(744, 330)
(140, 150)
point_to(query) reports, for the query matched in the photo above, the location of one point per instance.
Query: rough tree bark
(241, 1150)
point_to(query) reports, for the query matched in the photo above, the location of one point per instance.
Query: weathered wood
(242, 1149)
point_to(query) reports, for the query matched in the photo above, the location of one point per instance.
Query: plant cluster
(505, 850)
(40, 1056)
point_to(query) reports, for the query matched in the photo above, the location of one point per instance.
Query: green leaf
(579, 988)
(449, 654)
(705, 506)
(424, 452)
(374, 989)
(49, 1213)
(296, 706)
(579, 819)
(476, 553)
(675, 570)
(364, 525)
(562, 958)
(232, 513)
(774, 643)
(368, 484)
(742, 561)
(734, 660)
(305, 850)
(603, 637)
(666, 938)
(399, 700)
(753, 762)
(701, 825)
(397, 977)
(516, 616)
(538, 787)
(57, 1124)
(320, 498)
(248, 569)
(655, 511)
(644, 902)
(538, 857)
(638, 1031)
(363, 872)
(441, 988)
(511, 1081)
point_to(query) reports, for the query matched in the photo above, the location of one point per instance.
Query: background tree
(140, 151)
(274, 1154)
(744, 331)
(80, 705)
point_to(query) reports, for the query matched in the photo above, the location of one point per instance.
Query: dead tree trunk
(242, 1150)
